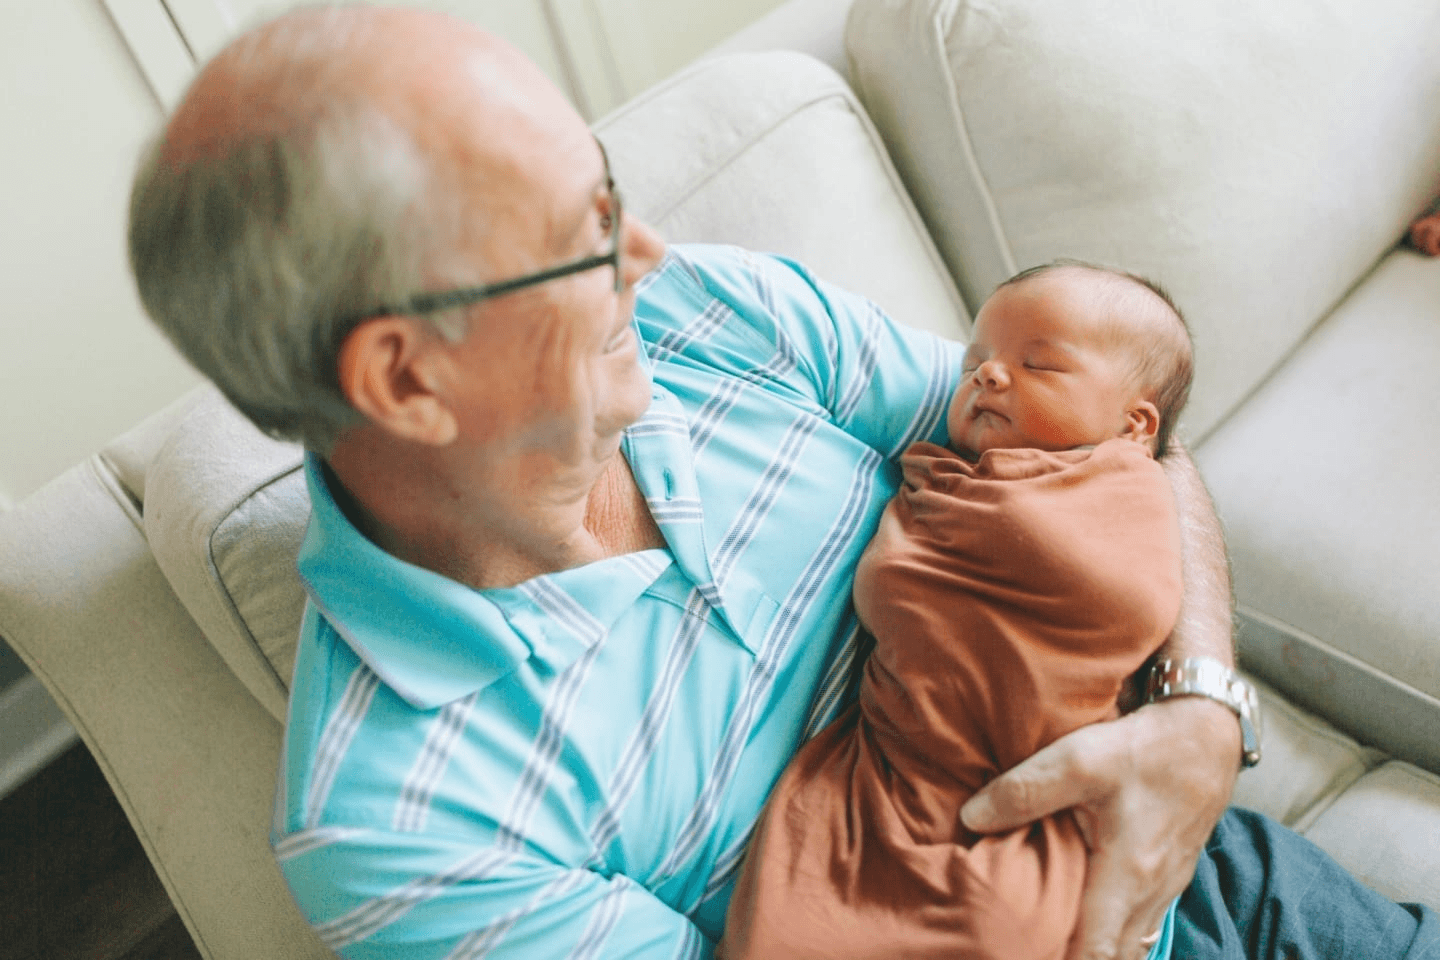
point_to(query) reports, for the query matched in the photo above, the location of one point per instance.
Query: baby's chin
(972, 453)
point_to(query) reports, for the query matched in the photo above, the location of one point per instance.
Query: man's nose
(992, 375)
(644, 248)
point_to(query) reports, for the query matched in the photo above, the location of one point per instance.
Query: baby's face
(1036, 372)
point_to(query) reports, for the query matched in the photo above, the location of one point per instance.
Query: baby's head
(1070, 354)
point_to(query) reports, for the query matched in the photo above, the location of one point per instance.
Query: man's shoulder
(702, 272)
(729, 297)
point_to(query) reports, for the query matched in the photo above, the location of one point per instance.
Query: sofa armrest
(189, 753)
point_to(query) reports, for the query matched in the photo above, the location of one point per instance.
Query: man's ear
(389, 371)
(1142, 423)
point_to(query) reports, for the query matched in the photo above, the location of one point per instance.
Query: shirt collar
(433, 640)
(429, 638)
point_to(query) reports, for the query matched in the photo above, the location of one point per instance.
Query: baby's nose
(992, 374)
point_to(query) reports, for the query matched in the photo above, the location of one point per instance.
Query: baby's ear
(1142, 423)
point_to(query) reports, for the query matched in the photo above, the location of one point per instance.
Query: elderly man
(585, 514)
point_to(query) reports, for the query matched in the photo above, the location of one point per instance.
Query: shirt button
(669, 485)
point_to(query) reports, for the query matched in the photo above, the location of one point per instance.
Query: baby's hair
(1164, 362)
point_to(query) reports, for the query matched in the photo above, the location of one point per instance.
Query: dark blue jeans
(1262, 892)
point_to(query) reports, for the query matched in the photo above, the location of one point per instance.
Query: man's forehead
(420, 68)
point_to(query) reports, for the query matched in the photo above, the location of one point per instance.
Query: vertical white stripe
(691, 946)
(832, 692)
(541, 762)
(865, 363)
(757, 507)
(413, 809)
(935, 404)
(603, 918)
(725, 868)
(643, 741)
(340, 731)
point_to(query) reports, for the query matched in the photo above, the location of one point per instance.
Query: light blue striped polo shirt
(570, 768)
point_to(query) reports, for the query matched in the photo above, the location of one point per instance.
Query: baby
(1015, 582)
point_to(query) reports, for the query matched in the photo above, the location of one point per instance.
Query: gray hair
(257, 261)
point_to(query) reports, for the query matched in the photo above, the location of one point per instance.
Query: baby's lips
(979, 409)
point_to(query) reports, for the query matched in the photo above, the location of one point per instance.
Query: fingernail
(977, 812)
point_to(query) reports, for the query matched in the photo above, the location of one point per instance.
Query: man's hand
(1146, 790)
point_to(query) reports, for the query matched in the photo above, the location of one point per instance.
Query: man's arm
(421, 896)
(885, 384)
(1146, 789)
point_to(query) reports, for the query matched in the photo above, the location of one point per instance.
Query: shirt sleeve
(408, 896)
(769, 319)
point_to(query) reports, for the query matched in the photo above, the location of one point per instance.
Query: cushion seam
(943, 17)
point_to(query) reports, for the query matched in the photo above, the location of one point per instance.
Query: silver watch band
(1206, 677)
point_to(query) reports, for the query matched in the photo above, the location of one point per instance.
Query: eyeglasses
(450, 299)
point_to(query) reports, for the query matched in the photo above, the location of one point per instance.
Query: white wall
(80, 362)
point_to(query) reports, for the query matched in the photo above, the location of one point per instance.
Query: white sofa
(1260, 160)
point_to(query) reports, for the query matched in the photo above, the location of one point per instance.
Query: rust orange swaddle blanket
(1009, 600)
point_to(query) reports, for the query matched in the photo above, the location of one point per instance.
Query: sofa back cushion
(771, 151)
(1255, 158)
(225, 509)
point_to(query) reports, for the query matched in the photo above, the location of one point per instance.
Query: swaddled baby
(1015, 582)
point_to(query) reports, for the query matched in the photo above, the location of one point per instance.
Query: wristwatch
(1204, 677)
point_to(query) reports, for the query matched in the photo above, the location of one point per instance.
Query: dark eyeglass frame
(450, 299)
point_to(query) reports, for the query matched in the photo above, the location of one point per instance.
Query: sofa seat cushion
(1254, 158)
(1326, 484)
(1307, 764)
(1378, 817)
(1398, 850)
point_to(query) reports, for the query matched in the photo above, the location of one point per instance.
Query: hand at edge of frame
(1146, 790)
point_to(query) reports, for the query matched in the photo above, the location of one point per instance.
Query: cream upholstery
(1256, 159)
(1327, 482)
(765, 133)
(152, 588)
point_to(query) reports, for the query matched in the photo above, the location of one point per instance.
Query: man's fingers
(1111, 927)
(1115, 938)
(1051, 780)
